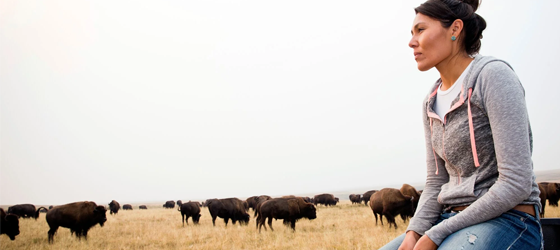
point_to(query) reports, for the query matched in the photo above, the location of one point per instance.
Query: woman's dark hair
(447, 11)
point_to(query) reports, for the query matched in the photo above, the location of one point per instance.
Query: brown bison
(542, 196)
(230, 208)
(127, 207)
(79, 217)
(288, 209)
(552, 193)
(410, 191)
(325, 199)
(25, 211)
(179, 203)
(390, 202)
(190, 209)
(367, 195)
(169, 204)
(114, 207)
(355, 198)
(9, 224)
(142, 207)
(253, 201)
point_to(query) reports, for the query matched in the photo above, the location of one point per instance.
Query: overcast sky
(143, 101)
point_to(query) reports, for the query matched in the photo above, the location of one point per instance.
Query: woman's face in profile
(430, 41)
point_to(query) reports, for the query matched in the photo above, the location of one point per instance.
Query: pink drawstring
(471, 131)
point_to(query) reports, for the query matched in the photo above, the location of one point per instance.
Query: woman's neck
(451, 69)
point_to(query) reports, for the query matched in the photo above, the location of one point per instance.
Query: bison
(355, 198)
(142, 207)
(79, 217)
(179, 203)
(390, 202)
(552, 193)
(127, 207)
(169, 204)
(253, 201)
(114, 207)
(190, 209)
(410, 191)
(325, 199)
(25, 210)
(289, 209)
(230, 208)
(367, 195)
(9, 224)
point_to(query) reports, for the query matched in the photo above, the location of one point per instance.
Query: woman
(480, 190)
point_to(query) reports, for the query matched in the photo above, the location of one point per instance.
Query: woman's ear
(456, 27)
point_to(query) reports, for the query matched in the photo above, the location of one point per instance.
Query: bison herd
(79, 217)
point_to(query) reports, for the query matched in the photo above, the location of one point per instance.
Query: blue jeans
(511, 230)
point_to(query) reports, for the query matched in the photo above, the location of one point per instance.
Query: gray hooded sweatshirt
(479, 154)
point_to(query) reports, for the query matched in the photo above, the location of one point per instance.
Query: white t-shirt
(444, 98)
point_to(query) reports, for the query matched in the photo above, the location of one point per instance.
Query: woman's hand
(425, 243)
(409, 241)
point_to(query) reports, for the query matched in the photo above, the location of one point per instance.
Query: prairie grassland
(344, 226)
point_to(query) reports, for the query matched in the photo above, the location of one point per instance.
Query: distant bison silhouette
(143, 207)
(114, 207)
(355, 198)
(79, 217)
(230, 208)
(367, 195)
(289, 209)
(9, 224)
(190, 209)
(169, 204)
(325, 199)
(25, 210)
(127, 207)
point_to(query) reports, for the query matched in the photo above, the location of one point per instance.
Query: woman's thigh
(512, 230)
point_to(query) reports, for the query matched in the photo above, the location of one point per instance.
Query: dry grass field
(344, 226)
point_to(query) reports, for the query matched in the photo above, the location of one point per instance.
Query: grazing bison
(552, 193)
(325, 199)
(390, 202)
(179, 203)
(367, 195)
(410, 191)
(258, 200)
(253, 201)
(9, 224)
(142, 207)
(114, 207)
(230, 208)
(190, 209)
(542, 196)
(79, 217)
(25, 210)
(355, 198)
(288, 209)
(169, 204)
(127, 207)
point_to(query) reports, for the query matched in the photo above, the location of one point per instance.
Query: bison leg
(270, 223)
(51, 233)
(214, 220)
(183, 219)
(84, 233)
(293, 224)
(226, 220)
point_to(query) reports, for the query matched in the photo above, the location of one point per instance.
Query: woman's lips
(416, 55)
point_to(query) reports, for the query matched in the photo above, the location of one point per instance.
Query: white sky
(156, 100)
